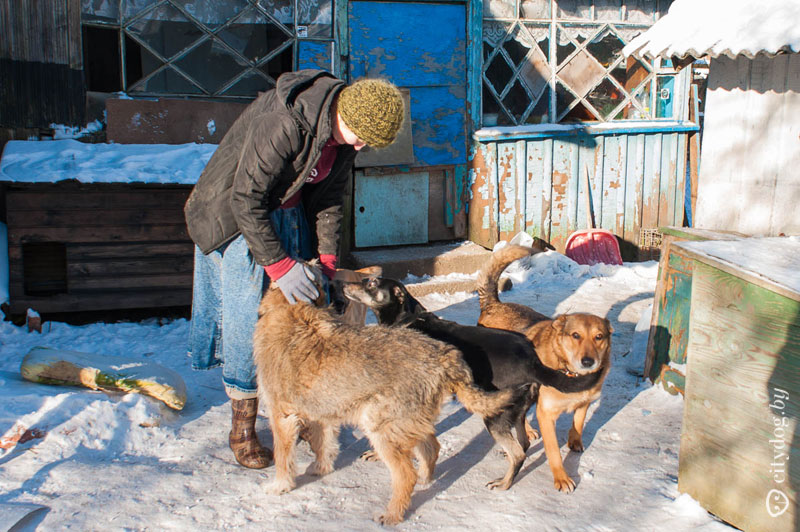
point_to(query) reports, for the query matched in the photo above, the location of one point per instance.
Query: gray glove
(298, 284)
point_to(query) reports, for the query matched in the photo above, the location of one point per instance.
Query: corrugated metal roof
(722, 27)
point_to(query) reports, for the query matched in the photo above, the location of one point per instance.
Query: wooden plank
(565, 192)
(69, 198)
(666, 188)
(753, 277)
(547, 191)
(483, 194)
(534, 177)
(610, 186)
(78, 285)
(651, 182)
(90, 252)
(694, 148)
(621, 186)
(125, 233)
(506, 189)
(737, 440)
(19, 219)
(672, 299)
(132, 266)
(106, 300)
(634, 188)
(461, 201)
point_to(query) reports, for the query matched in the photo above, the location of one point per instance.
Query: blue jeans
(227, 290)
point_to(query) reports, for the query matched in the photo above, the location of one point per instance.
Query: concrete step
(433, 260)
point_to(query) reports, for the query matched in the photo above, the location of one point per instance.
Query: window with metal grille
(550, 61)
(223, 48)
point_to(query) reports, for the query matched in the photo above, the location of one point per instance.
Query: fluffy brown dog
(576, 344)
(317, 373)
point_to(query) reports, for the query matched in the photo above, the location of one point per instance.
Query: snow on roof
(721, 27)
(51, 161)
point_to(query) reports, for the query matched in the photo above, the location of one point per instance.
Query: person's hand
(328, 265)
(298, 284)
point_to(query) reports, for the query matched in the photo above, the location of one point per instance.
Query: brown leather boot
(243, 440)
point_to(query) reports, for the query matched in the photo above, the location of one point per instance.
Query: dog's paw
(532, 433)
(563, 483)
(499, 484)
(319, 469)
(388, 518)
(279, 487)
(370, 456)
(575, 442)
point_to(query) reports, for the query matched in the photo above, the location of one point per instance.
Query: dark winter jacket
(263, 160)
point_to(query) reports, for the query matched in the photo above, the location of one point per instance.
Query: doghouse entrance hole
(44, 268)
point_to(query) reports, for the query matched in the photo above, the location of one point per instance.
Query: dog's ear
(559, 323)
(608, 326)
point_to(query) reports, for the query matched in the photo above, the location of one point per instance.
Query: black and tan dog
(576, 344)
(316, 372)
(499, 360)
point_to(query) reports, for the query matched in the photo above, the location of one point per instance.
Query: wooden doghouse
(739, 439)
(94, 227)
(84, 247)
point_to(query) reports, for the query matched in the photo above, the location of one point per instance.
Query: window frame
(594, 26)
(294, 37)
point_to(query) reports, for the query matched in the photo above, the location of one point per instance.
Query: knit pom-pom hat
(373, 109)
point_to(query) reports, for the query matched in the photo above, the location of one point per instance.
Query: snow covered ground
(100, 461)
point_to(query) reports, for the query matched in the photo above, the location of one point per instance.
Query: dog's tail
(474, 399)
(490, 275)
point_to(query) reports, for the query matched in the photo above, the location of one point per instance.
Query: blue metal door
(420, 47)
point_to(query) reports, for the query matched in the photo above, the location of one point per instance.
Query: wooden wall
(536, 184)
(41, 76)
(749, 180)
(740, 443)
(97, 246)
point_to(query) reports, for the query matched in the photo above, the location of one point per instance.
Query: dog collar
(568, 373)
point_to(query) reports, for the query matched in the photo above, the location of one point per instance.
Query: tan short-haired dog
(576, 344)
(316, 373)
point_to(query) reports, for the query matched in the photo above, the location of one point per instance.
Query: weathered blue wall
(536, 184)
(421, 47)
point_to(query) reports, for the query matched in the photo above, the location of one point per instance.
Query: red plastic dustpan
(593, 246)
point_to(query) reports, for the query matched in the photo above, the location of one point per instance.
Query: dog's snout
(587, 362)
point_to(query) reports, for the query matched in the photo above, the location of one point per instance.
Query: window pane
(642, 98)
(605, 98)
(606, 48)
(252, 83)
(212, 14)
(211, 65)
(535, 9)
(575, 9)
(139, 62)
(581, 73)
(131, 8)
(316, 17)
(541, 111)
(491, 109)
(166, 30)
(280, 10)
(167, 81)
(517, 101)
(499, 73)
(99, 11)
(254, 35)
(499, 9)
(640, 11)
(280, 63)
(664, 96)
(608, 10)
